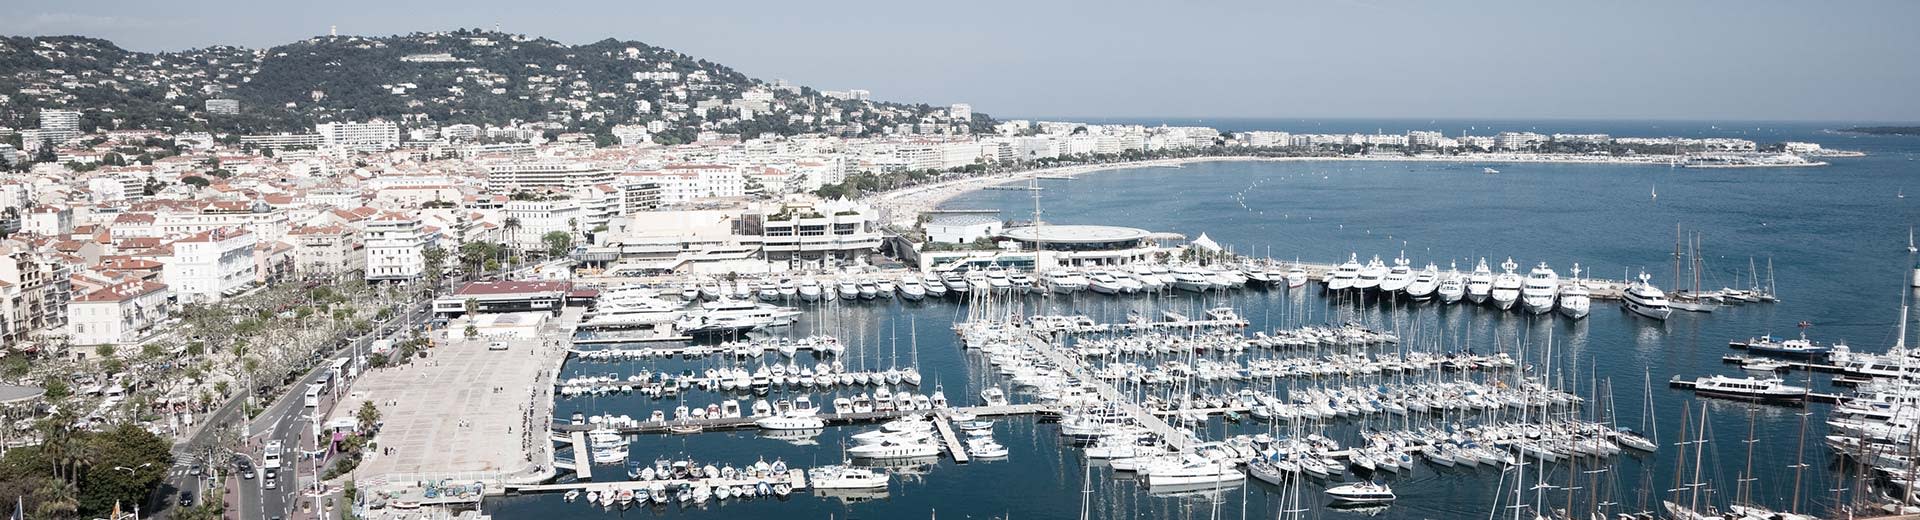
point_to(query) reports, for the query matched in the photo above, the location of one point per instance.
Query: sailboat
(1656, 192)
(1910, 246)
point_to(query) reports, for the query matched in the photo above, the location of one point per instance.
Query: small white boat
(1361, 493)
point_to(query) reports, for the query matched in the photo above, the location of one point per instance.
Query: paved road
(285, 419)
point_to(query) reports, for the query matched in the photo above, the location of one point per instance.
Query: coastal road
(285, 419)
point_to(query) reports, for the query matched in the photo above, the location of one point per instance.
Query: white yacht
(1424, 283)
(1361, 493)
(1022, 283)
(1398, 277)
(1371, 275)
(1506, 285)
(997, 279)
(896, 449)
(868, 289)
(1480, 283)
(768, 315)
(787, 288)
(956, 282)
(845, 477)
(848, 288)
(1128, 282)
(1190, 470)
(1148, 280)
(1575, 301)
(1065, 281)
(809, 290)
(768, 290)
(978, 281)
(1453, 285)
(1646, 300)
(1104, 283)
(1296, 276)
(1749, 388)
(934, 286)
(632, 310)
(1189, 278)
(1541, 289)
(1345, 274)
(910, 288)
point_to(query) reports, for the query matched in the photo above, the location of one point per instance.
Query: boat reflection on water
(808, 437)
(1208, 490)
(853, 496)
(1361, 509)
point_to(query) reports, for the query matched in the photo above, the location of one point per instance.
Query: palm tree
(513, 231)
(58, 498)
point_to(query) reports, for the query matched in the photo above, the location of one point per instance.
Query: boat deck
(1817, 397)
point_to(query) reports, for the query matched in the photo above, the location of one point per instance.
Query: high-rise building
(59, 120)
(511, 176)
(960, 112)
(366, 137)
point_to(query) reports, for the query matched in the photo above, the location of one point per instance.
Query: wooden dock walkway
(794, 477)
(732, 423)
(1174, 437)
(582, 455)
(954, 448)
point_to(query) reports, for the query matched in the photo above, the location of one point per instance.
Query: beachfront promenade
(465, 412)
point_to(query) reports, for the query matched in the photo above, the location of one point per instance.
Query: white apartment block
(395, 245)
(681, 183)
(361, 137)
(211, 265)
(512, 176)
(537, 218)
(267, 222)
(332, 249)
(119, 314)
(818, 233)
(278, 141)
(59, 120)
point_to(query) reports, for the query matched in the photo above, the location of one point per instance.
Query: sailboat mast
(1676, 257)
(1699, 450)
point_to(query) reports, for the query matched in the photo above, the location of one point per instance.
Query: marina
(1326, 387)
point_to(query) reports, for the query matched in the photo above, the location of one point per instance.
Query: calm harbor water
(1835, 236)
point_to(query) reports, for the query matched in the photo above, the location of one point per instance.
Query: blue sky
(1709, 59)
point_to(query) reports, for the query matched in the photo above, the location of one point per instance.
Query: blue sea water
(1835, 237)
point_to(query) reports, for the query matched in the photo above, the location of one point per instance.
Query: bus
(271, 459)
(313, 394)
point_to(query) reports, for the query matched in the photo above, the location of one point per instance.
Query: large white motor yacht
(1575, 300)
(1480, 282)
(1541, 289)
(1506, 285)
(1646, 300)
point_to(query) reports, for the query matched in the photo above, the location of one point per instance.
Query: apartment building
(211, 265)
(120, 314)
(396, 245)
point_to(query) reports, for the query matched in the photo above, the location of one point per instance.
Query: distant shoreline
(903, 207)
(1885, 130)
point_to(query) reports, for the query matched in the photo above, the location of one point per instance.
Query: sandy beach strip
(903, 207)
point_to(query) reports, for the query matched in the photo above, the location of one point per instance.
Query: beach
(903, 207)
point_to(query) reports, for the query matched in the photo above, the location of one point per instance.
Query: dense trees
(82, 474)
(291, 87)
